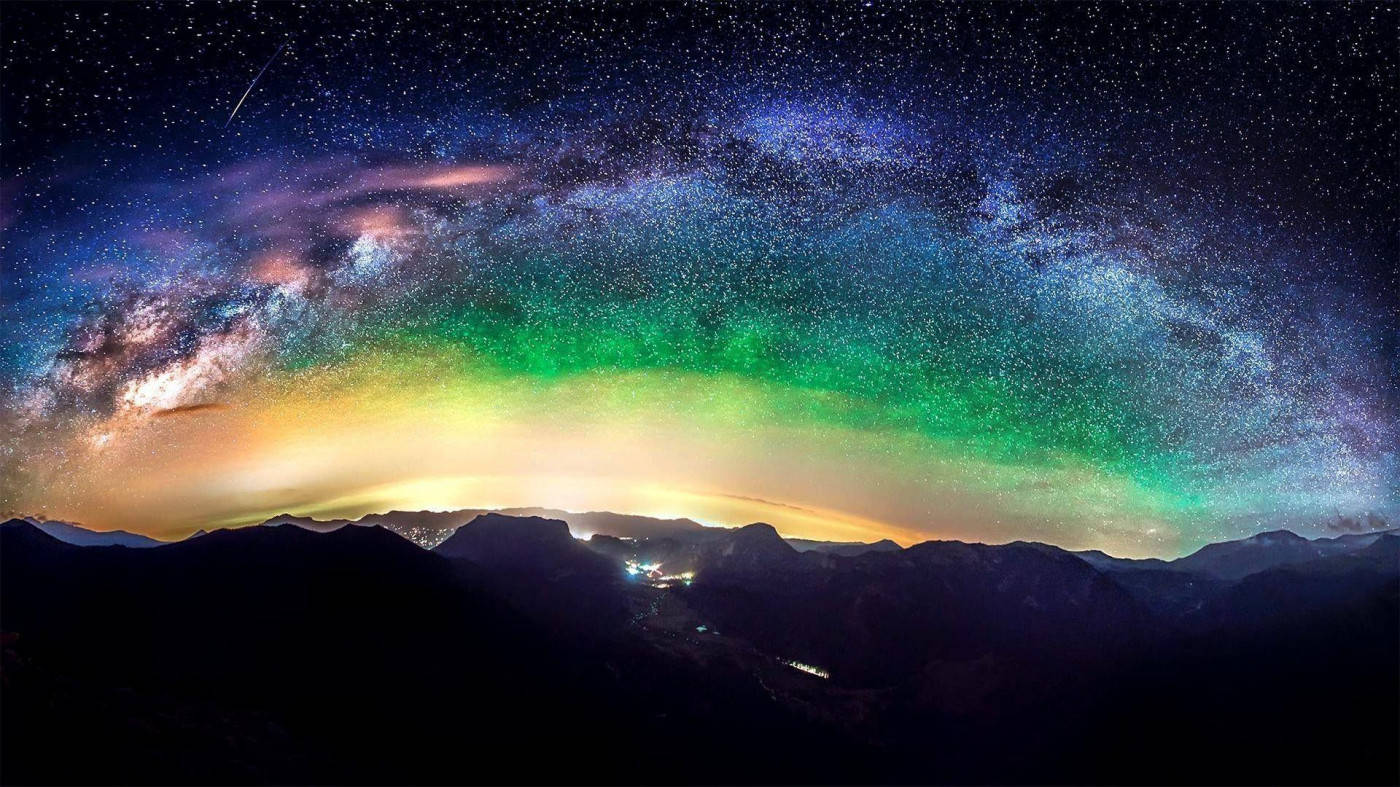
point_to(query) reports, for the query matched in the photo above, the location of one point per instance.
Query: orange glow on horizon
(431, 432)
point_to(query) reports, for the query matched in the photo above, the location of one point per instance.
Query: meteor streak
(252, 85)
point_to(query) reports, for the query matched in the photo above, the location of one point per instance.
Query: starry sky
(1101, 275)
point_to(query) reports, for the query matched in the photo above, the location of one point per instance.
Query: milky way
(1098, 275)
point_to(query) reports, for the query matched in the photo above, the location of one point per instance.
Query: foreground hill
(516, 653)
(248, 656)
(276, 655)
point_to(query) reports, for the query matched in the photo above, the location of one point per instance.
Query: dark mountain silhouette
(610, 524)
(81, 536)
(1184, 589)
(307, 523)
(1351, 542)
(1307, 589)
(1168, 593)
(429, 520)
(618, 549)
(752, 548)
(1267, 664)
(881, 616)
(1382, 553)
(1236, 559)
(660, 536)
(266, 655)
(584, 524)
(536, 564)
(1101, 560)
(283, 646)
(750, 551)
(425, 528)
(1232, 560)
(517, 653)
(843, 548)
(518, 544)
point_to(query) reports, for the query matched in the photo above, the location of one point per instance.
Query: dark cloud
(1364, 523)
(191, 409)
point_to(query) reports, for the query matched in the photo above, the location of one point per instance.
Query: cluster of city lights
(651, 574)
(809, 669)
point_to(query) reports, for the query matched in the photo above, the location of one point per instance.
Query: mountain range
(429, 528)
(513, 651)
(81, 536)
(662, 538)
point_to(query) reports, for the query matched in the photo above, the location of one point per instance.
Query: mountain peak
(1275, 537)
(525, 546)
(759, 537)
(28, 535)
(501, 534)
(758, 530)
(526, 526)
(1238, 559)
(78, 535)
(755, 548)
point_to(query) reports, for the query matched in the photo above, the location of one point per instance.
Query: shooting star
(253, 84)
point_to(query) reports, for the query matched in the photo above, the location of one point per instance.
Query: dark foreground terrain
(515, 653)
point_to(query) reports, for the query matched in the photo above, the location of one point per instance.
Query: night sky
(1105, 276)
